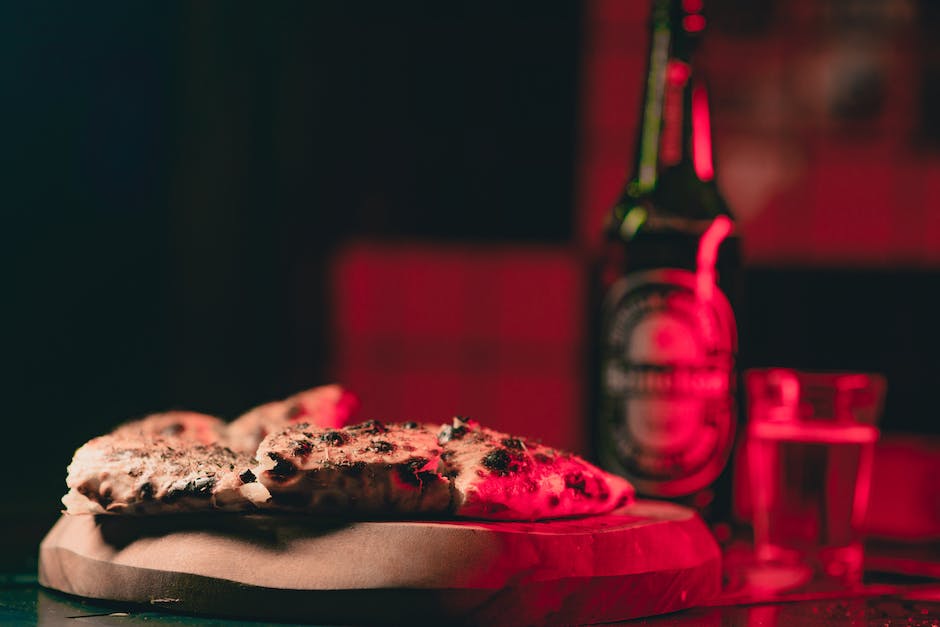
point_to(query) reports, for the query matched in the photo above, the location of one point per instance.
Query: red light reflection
(707, 255)
(701, 135)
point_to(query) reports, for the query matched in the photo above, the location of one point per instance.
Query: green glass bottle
(666, 410)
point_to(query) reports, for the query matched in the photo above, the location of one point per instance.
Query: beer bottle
(665, 411)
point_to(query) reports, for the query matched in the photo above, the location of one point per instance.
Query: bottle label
(667, 406)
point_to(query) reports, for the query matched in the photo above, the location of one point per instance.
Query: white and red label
(667, 408)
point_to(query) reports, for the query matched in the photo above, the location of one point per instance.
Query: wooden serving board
(647, 558)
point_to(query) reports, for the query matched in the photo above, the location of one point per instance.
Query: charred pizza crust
(266, 459)
(127, 473)
(324, 406)
(500, 477)
(371, 468)
(183, 425)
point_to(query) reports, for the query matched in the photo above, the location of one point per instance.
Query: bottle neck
(674, 169)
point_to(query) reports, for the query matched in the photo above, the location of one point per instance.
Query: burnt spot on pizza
(333, 438)
(172, 429)
(248, 477)
(501, 461)
(201, 487)
(449, 433)
(409, 472)
(554, 501)
(576, 481)
(294, 411)
(282, 469)
(135, 472)
(513, 443)
(302, 447)
(416, 463)
(380, 446)
(411, 424)
(306, 434)
(104, 498)
(146, 492)
(624, 498)
(407, 475)
(371, 427)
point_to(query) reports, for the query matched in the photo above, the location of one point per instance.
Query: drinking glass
(811, 439)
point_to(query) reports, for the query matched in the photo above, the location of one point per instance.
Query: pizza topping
(302, 447)
(248, 476)
(501, 461)
(575, 481)
(460, 426)
(381, 446)
(333, 438)
(513, 443)
(408, 475)
(372, 427)
(449, 433)
(349, 470)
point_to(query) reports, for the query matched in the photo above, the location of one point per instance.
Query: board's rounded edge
(67, 570)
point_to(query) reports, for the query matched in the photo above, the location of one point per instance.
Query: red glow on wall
(701, 135)
(707, 255)
(428, 331)
(692, 6)
(693, 23)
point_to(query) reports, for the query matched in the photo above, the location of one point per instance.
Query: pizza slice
(183, 425)
(324, 406)
(501, 477)
(129, 472)
(371, 468)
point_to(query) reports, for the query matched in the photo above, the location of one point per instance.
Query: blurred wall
(825, 123)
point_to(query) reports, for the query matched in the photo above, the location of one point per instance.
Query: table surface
(902, 588)
(23, 602)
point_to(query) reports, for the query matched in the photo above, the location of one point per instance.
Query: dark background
(176, 177)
